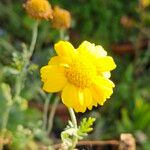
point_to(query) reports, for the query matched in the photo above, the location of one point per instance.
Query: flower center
(80, 73)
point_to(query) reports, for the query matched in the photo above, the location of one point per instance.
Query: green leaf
(85, 127)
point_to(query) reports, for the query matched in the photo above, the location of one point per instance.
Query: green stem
(34, 38)
(32, 45)
(18, 86)
(74, 121)
(51, 116)
(27, 61)
(46, 106)
(73, 117)
(62, 34)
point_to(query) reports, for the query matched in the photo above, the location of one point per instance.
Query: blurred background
(121, 27)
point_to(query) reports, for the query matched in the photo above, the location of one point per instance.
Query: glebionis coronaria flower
(61, 18)
(82, 75)
(39, 9)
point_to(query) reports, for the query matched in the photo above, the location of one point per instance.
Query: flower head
(61, 18)
(39, 9)
(81, 74)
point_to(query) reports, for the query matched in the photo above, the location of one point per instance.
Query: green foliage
(71, 132)
(100, 19)
(6, 91)
(22, 139)
(85, 127)
(68, 135)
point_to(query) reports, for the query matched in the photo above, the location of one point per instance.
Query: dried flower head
(61, 18)
(39, 9)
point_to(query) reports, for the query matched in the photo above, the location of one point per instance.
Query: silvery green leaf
(10, 70)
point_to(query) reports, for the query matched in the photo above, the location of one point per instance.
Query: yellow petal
(87, 97)
(86, 47)
(73, 97)
(100, 52)
(97, 94)
(91, 50)
(102, 89)
(58, 60)
(104, 81)
(81, 97)
(106, 74)
(53, 78)
(69, 95)
(64, 48)
(94, 103)
(104, 64)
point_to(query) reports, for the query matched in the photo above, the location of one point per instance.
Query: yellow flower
(61, 18)
(39, 9)
(81, 74)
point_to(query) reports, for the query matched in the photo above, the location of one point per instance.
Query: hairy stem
(23, 72)
(34, 38)
(74, 121)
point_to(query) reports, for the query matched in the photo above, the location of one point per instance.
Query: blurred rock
(127, 142)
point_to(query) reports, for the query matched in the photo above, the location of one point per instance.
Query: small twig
(101, 143)
(45, 112)
(51, 116)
